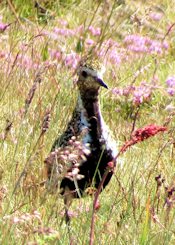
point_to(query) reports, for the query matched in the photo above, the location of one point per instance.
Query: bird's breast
(85, 129)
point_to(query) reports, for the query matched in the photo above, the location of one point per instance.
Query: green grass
(134, 208)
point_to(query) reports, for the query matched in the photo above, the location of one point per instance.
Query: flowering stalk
(142, 134)
(32, 92)
(46, 121)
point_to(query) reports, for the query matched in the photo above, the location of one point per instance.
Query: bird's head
(90, 74)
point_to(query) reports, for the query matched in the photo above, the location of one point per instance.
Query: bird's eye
(84, 74)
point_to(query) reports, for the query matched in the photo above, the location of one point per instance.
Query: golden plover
(87, 136)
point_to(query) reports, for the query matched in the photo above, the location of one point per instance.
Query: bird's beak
(100, 81)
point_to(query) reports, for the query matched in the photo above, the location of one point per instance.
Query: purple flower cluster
(111, 52)
(72, 60)
(156, 16)
(58, 33)
(95, 31)
(55, 54)
(3, 26)
(26, 62)
(64, 32)
(141, 44)
(170, 82)
(137, 95)
(141, 94)
(90, 42)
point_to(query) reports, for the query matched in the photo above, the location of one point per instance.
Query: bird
(87, 143)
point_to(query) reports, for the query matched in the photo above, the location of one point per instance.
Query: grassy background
(137, 207)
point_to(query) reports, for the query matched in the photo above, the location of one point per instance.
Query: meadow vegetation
(39, 52)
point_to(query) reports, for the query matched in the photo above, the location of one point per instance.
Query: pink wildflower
(128, 90)
(142, 44)
(64, 32)
(55, 54)
(117, 91)
(136, 94)
(72, 60)
(171, 85)
(115, 57)
(25, 62)
(3, 26)
(79, 29)
(63, 22)
(155, 47)
(90, 42)
(141, 94)
(138, 48)
(171, 91)
(170, 81)
(165, 45)
(156, 16)
(95, 31)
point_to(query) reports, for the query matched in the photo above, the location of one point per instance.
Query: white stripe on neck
(92, 72)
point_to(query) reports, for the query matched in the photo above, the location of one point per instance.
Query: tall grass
(38, 58)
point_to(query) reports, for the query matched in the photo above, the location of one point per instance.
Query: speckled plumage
(87, 125)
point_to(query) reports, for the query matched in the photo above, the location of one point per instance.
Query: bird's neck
(89, 103)
(89, 106)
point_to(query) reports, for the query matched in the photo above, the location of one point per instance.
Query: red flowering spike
(141, 134)
(148, 131)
